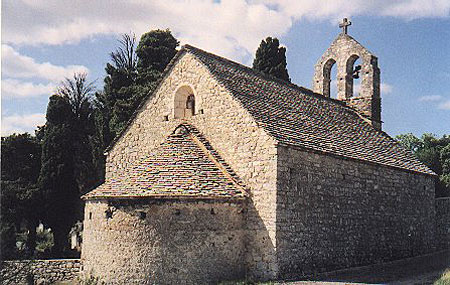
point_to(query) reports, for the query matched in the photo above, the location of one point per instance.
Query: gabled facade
(283, 182)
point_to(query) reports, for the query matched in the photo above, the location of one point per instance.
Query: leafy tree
(57, 177)
(121, 75)
(21, 157)
(130, 76)
(270, 59)
(445, 160)
(433, 152)
(68, 156)
(79, 95)
(20, 199)
(155, 50)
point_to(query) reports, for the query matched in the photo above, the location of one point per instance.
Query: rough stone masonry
(226, 174)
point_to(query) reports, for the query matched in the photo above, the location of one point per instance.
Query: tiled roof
(183, 166)
(299, 117)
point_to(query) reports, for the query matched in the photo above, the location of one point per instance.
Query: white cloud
(232, 27)
(439, 101)
(336, 9)
(430, 98)
(21, 66)
(12, 88)
(418, 8)
(21, 123)
(444, 105)
(386, 88)
(228, 26)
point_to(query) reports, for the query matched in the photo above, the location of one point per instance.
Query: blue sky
(45, 41)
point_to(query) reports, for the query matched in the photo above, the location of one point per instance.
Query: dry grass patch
(445, 278)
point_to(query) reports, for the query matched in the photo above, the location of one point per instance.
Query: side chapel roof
(296, 116)
(183, 166)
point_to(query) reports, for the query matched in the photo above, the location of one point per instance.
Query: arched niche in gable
(185, 103)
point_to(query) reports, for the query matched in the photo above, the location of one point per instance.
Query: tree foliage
(44, 176)
(270, 59)
(155, 50)
(68, 157)
(57, 178)
(79, 95)
(130, 76)
(20, 199)
(433, 152)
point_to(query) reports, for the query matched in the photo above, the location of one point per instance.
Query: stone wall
(164, 242)
(232, 132)
(39, 271)
(335, 213)
(443, 222)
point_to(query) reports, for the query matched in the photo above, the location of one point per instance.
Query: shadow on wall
(148, 241)
(261, 259)
(418, 270)
(198, 242)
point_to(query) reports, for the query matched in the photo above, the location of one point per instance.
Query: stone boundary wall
(443, 222)
(39, 271)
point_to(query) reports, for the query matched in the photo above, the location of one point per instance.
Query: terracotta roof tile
(184, 166)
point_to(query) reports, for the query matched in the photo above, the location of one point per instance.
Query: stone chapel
(224, 173)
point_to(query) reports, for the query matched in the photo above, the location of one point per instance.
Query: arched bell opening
(328, 72)
(353, 68)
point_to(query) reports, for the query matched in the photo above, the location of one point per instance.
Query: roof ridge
(241, 80)
(298, 88)
(206, 147)
(264, 76)
(185, 135)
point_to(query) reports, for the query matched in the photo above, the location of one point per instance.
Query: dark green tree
(155, 50)
(270, 59)
(119, 83)
(130, 76)
(57, 177)
(21, 202)
(79, 94)
(433, 152)
(445, 160)
(68, 157)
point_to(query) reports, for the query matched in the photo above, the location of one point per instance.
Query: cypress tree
(68, 157)
(270, 59)
(57, 179)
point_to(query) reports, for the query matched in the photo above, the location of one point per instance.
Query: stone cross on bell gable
(344, 25)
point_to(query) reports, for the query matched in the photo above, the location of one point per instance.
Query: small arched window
(184, 103)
